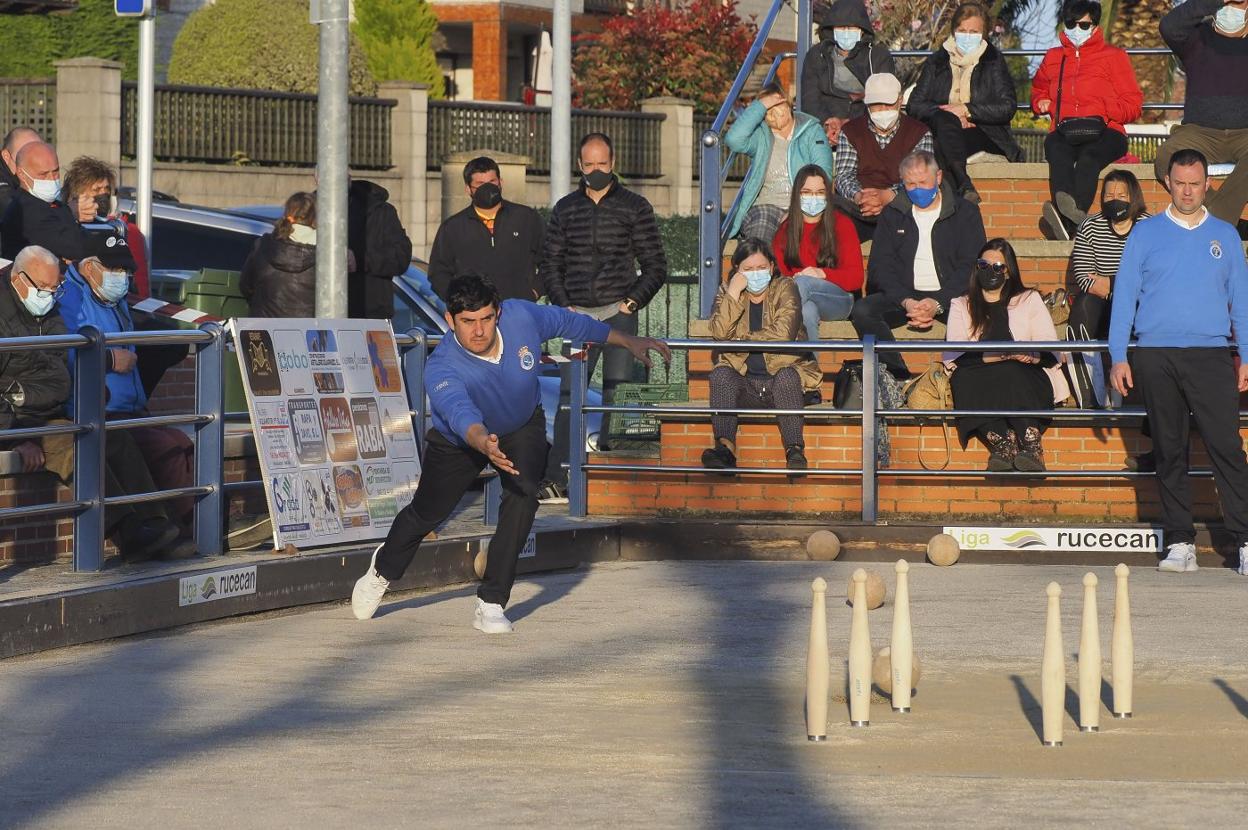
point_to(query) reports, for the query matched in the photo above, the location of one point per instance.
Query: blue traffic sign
(132, 8)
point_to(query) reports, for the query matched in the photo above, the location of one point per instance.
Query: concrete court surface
(634, 694)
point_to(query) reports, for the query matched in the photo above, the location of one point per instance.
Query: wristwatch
(631, 305)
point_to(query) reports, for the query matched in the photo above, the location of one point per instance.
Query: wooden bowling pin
(901, 645)
(1089, 661)
(859, 655)
(1053, 671)
(1122, 647)
(817, 665)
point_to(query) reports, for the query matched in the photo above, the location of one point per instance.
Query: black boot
(1002, 449)
(795, 458)
(1030, 458)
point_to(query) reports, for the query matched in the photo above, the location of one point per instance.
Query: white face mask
(303, 234)
(885, 120)
(49, 190)
(1230, 19)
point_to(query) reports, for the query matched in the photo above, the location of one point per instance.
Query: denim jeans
(822, 300)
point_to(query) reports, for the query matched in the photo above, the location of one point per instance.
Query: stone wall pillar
(88, 110)
(512, 169)
(677, 158)
(409, 150)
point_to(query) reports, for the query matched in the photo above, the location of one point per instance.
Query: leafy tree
(30, 44)
(397, 38)
(692, 51)
(251, 45)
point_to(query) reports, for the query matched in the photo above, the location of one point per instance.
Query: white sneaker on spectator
(1243, 559)
(1180, 558)
(368, 591)
(490, 619)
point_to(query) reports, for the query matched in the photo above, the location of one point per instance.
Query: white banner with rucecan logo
(1059, 539)
(332, 424)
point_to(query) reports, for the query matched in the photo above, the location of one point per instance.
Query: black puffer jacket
(279, 278)
(28, 220)
(592, 251)
(993, 96)
(43, 374)
(381, 247)
(820, 97)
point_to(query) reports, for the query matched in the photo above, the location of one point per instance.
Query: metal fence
(205, 124)
(1143, 147)
(456, 126)
(29, 102)
(667, 317)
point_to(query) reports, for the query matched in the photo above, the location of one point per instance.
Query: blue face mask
(38, 305)
(1230, 18)
(1078, 36)
(114, 285)
(757, 281)
(813, 205)
(967, 42)
(847, 39)
(922, 196)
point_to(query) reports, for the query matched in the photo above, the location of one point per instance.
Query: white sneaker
(490, 619)
(1180, 558)
(1243, 559)
(369, 588)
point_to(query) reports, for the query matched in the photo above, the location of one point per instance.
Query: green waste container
(212, 291)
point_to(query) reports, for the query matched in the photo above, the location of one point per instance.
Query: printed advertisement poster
(332, 425)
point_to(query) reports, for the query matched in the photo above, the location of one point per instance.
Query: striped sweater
(1098, 250)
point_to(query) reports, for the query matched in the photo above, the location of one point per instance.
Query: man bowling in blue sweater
(483, 390)
(1183, 287)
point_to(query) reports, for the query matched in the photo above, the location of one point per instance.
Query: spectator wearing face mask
(869, 151)
(492, 237)
(1088, 90)
(1210, 39)
(279, 276)
(928, 242)
(14, 141)
(89, 187)
(836, 68)
(38, 215)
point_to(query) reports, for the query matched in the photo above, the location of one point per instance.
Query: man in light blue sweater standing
(1183, 286)
(483, 390)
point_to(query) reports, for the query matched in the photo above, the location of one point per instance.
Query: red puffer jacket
(1098, 80)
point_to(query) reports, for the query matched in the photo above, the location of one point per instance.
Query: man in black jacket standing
(381, 248)
(597, 237)
(14, 141)
(491, 237)
(37, 215)
(925, 247)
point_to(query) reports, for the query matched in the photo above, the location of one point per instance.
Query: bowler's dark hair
(1186, 158)
(794, 225)
(1135, 193)
(481, 164)
(975, 301)
(470, 292)
(1072, 10)
(591, 138)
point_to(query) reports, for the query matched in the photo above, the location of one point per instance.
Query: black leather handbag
(1083, 129)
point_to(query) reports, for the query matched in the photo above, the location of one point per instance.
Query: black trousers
(617, 367)
(447, 471)
(954, 145)
(877, 314)
(1175, 382)
(1075, 169)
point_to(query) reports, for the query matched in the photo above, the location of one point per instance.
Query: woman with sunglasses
(999, 308)
(1088, 90)
(779, 142)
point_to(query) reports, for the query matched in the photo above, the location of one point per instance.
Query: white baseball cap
(881, 88)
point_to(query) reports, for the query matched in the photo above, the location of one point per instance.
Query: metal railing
(869, 416)
(457, 126)
(249, 126)
(30, 102)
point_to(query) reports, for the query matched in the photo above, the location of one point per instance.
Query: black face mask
(487, 196)
(598, 180)
(1116, 210)
(103, 204)
(988, 279)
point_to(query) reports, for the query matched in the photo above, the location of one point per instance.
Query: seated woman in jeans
(821, 252)
(998, 307)
(756, 305)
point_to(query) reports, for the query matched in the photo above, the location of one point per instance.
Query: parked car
(188, 238)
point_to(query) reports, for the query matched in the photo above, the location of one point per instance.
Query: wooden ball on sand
(943, 550)
(478, 564)
(823, 546)
(876, 591)
(882, 670)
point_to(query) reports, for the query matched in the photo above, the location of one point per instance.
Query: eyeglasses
(54, 293)
(995, 267)
(1079, 24)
